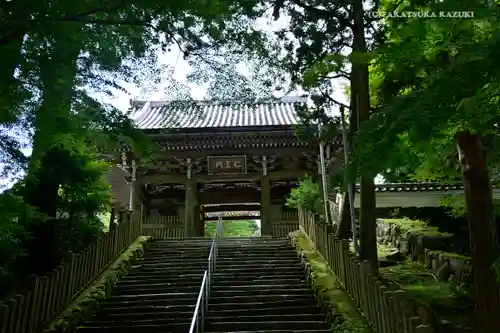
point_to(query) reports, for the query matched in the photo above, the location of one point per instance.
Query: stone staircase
(159, 293)
(259, 286)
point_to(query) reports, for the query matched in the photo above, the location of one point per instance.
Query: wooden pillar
(265, 201)
(192, 207)
(200, 224)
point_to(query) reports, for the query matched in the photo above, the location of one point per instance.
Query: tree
(59, 51)
(328, 38)
(226, 82)
(439, 93)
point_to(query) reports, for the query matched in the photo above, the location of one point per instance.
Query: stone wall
(425, 244)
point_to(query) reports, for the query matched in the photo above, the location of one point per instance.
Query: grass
(416, 226)
(383, 251)
(450, 255)
(243, 228)
(346, 316)
(449, 303)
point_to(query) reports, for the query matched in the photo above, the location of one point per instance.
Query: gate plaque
(227, 165)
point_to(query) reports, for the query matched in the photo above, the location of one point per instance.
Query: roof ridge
(288, 100)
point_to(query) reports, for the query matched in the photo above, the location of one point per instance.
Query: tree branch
(333, 100)
(19, 32)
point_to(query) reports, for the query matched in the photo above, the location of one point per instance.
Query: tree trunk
(482, 230)
(368, 236)
(9, 86)
(344, 229)
(43, 181)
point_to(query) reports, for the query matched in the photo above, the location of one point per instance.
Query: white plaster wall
(414, 199)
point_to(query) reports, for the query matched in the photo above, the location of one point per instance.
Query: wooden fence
(31, 309)
(289, 222)
(388, 311)
(163, 227)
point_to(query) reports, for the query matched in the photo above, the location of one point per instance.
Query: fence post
(344, 244)
(4, 315)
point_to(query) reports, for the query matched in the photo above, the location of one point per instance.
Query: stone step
(181, 243)
(239, 299)
(166, 272)
(262, 304)
(106, 316)
(253, 287)
(187, 300)
(264, 268)
(318, 316)
(267, 274)
(133, 321)
(227, 326)
(155, 288)
(256, 286)
(225, 292)
(259, 248)
(279, 331)
(166, 328)
(260, 244)
(263, 310)
(170, 296)
(257, 263)
(246, 259)
(115, 309)
(258, 281)
(180, 280)
(239, 253)
(169, 260)
(252, 256)
(167, 268)
(223, 267)
(164, 250)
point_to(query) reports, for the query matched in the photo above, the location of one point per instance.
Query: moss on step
(341, 312)
(87, 302)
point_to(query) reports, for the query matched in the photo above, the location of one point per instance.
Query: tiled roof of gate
(181, 115)
(410, 187)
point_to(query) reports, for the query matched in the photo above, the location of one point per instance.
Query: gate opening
(234, 228)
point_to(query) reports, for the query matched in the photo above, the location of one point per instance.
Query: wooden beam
(230, 197)
(231, 218)
(251, 176)
(204, 152)
(231, 208)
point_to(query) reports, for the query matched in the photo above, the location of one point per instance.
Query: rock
(443, 272)
(397, 257)
(457, 264)
(437, 242)
(447, 327)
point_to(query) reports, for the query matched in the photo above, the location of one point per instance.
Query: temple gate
(219, 157)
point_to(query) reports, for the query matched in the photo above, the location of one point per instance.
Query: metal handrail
(197, 323)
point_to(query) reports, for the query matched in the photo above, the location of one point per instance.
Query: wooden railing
(29, 310)
(163, 227)
(289, 222)
(388, 311)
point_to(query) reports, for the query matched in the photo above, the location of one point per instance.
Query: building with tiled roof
(153, 115)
